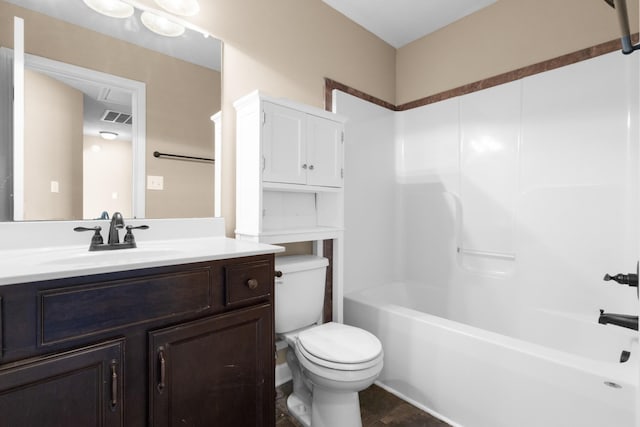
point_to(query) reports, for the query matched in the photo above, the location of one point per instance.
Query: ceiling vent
(111, 116)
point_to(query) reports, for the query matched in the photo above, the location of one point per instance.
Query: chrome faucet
(117, 222)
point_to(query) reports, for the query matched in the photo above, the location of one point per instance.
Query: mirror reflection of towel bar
(500, 255)
(181, 157)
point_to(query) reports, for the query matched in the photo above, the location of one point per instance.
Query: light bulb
(111, 8)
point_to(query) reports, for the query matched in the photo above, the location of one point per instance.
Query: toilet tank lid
(293, 263)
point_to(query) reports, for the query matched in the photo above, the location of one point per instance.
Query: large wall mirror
(86, 77)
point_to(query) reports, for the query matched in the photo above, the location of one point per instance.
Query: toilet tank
(299, 292)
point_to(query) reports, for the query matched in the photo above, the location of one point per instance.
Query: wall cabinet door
(78, 388)
(300, 148)
(217, 371)
(283, 145)
(324, 152)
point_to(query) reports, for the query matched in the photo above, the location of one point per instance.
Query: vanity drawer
(78, 311)
(248, 281)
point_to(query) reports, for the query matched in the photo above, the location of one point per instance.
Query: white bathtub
(562, 371)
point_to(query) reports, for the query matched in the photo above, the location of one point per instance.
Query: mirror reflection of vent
(111, 116)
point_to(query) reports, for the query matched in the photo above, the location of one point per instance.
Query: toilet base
(299, 410)
(331, 409)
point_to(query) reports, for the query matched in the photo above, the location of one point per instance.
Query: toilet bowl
(331, 362)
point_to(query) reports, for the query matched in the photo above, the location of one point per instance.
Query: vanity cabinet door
(283, 145)
(218, 371)
(77, 388)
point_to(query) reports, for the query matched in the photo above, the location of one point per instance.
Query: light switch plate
(155, 182)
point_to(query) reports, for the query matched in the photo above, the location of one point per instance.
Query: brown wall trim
(330, 85)
(561, 61)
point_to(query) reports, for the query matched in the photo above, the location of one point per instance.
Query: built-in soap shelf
(494, 263)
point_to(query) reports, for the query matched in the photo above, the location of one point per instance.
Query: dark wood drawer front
(76, 311)
(248, 281)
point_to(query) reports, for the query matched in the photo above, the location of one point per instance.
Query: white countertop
(36, 263)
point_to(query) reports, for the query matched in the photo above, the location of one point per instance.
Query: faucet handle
(623, 279)
(129, 238)
(96, 239)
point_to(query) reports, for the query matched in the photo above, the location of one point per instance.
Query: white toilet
(330, 363)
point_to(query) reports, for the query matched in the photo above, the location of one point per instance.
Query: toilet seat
(340, 347)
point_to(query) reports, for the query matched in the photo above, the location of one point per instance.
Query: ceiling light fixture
(161, 25)
(110, 136)
(111, 8)
(180, 7)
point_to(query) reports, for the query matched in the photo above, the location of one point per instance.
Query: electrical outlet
(155, 182)
(55, 187)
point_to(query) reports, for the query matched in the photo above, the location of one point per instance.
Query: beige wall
(503, 37)
(181, 97)
(52, 149)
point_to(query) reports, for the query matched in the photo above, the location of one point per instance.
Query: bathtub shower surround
(498, 219)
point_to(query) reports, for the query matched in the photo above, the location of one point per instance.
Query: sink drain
(612, 384)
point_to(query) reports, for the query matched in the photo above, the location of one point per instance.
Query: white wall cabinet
(289, 171)
(301, 148)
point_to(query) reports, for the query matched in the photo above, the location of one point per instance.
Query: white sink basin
(112, 257)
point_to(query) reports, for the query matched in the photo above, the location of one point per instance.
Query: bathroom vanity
(183, 338)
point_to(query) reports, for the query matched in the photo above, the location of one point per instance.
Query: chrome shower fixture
(623, 17)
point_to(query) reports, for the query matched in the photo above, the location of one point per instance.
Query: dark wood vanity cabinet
(186, 345)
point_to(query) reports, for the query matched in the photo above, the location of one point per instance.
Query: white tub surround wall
(509, 203)
(44, 250)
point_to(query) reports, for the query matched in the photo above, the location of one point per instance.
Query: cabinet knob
(252, 284)
(304, 166)
(311, 167)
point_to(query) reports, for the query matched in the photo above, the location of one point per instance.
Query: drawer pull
(163, 369)
(114, 385)
(252, 284)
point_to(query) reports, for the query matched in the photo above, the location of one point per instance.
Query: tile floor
(378, 407)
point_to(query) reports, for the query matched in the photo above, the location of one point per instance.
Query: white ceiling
(399, 22)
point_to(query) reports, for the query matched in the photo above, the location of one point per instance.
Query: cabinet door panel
(78, 388)
(214, 371)
(324, 152)
(283, 145)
